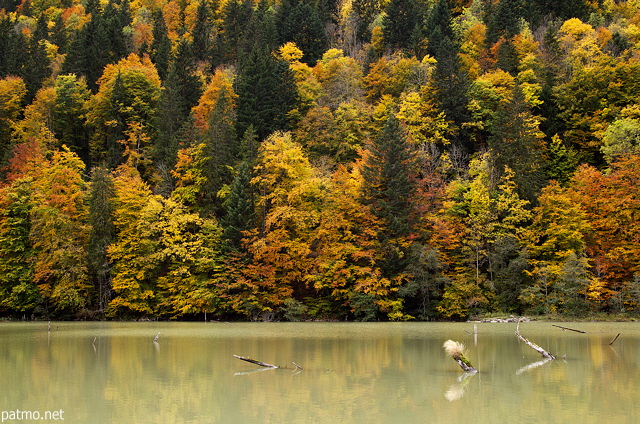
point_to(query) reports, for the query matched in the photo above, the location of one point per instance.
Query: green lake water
(352, 373)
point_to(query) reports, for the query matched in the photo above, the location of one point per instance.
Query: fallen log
(570, 329)
(533, 345)
(456, 351)
(253, 361)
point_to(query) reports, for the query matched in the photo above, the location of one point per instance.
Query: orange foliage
(219, 89)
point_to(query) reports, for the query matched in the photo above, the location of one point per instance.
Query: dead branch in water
(614, 339)
(533, 345)
(253, 361)
(570, 329)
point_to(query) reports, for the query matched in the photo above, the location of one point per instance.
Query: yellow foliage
(289, 52)
(219, 89)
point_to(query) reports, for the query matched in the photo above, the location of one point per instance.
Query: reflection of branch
(254, 371)
(533, 365)
(533, 345)
(456, 390)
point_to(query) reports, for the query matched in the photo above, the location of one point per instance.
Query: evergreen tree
(450, 84)
(516, 142)
(260, 32)
(101, 41)
(236, 15)
(69, 121)
(221, 150)
(402, 18)
(18, 292)
(160, 49)
(388, 190)
(13, 46)
(101, 234)
(266, 93)
(36, 67)
(504, 20)
(298, 22)
(203, 32)
(182, 89)
(239, 207)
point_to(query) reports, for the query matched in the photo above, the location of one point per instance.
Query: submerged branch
(253, 361)
(533, 345)
(614, 339)
(570, 329)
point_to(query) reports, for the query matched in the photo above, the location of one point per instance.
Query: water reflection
(395, 373)
(456, 390)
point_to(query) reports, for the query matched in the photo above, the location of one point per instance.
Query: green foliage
(266, 93)
(101, 233)
(18, 291)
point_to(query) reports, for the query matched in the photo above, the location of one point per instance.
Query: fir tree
(266, 93)
(388, 190)
(101, 234)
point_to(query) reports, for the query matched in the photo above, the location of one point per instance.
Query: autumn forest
(319, 159)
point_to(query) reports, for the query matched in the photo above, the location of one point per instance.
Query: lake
(104, 372)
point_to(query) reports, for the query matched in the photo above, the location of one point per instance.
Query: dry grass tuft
(454, 349)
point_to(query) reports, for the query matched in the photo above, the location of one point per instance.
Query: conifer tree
(516, 142)
(18, 291)
(388, 190)
(266, 93)
(160, 49)
(298, 22)
(101, 234)
(239, 207)
(402, 18)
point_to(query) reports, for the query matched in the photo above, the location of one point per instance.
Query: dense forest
(319, 159)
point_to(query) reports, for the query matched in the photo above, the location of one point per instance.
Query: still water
(352, 373)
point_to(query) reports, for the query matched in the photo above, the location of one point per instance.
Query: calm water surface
(353, 373)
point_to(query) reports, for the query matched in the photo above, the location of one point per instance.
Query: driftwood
(253, 361)
(614, 339)
(456, 351)
(570, 329)
(532, 345)
(155, 339)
